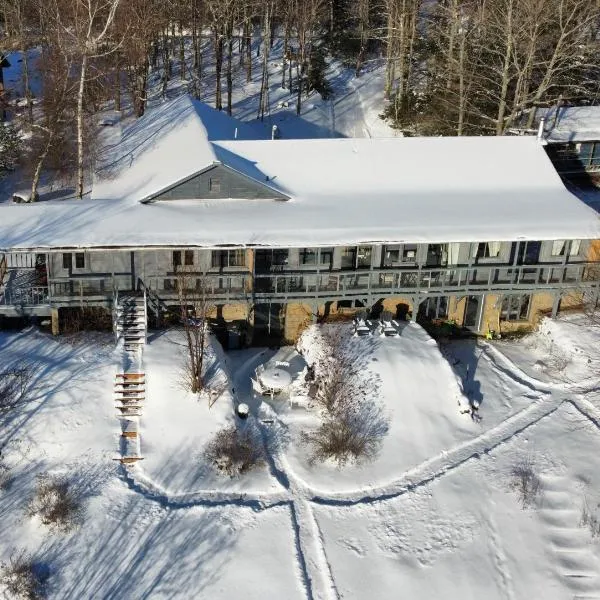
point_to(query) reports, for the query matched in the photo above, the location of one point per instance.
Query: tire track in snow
(448, 460)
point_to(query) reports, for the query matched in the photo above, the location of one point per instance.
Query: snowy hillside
(440, 513)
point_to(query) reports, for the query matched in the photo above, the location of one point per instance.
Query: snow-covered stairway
(576, 563)
(131, 320)
(130, 393)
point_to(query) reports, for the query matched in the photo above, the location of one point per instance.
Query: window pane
(217, 258)
(189, 257)
(79, 260)
(176, 258)
(348, 257)
(364, 256)
(391, 255)
(214, 184)
(558, 247)
(409, 253)
(308, 256)
(575, 247)
(67, 261)
(326, 256)
(523, 307)
(237, 258)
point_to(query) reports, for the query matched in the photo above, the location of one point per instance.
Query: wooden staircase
(129, 394)
(131, 320)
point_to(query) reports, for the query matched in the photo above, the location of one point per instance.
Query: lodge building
(277, 233)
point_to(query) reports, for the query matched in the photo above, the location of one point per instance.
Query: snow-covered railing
(161, 290)
(3, 268)
(25, 296)
(450, 280)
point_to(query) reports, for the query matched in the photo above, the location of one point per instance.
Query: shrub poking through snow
(55, 503)
(234, 452)
(5, 477)
(526, 482)
(354, 425)
(15, 383)
(22, 578)
(590, 519)
(352, 434)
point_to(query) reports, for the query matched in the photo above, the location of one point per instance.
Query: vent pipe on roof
(540, 133)
(235, 134)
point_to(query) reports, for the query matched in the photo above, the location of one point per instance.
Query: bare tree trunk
(27, 87)
(229, 59)
(218, 42)
(264, 86)
(506, 64)
(80, 134)
(182, 50)
(249, 51)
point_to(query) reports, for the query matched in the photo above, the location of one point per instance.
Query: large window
(222, 259)
(486, 250)
(529, 253)
(356, 257)
(308, 256)
(76, 259)
(434, 308)
(397, 254)
(515, 308)
(559, 248)
(314, 256)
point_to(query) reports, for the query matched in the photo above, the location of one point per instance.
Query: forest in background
(452, 67)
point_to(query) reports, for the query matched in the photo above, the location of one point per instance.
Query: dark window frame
(515, 307)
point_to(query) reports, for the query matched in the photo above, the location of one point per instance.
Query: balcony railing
(329, 285)
(24, 296)
(427, 280)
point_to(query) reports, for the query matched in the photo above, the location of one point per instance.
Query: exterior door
(472, 312)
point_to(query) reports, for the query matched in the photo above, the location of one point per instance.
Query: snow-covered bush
(354, 424)
(22, 578)
(5, 477)
(233, 452)
(11, 147)
(526, 481)
(15, 383)
(353, 434)
(55, 503)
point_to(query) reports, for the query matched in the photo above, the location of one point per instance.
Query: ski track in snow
(315, 568)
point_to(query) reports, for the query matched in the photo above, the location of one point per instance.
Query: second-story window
(486, 250)
(529, 252)
(68, 262)
(308, 256)
(176, 258)
(214, 185)
(188, 258)
(228, 258)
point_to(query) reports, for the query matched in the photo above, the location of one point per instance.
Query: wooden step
(127, 460)
(130, 376)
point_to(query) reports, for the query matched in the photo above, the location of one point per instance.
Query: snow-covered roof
(571, 123)
(166, 145)
(342, 191)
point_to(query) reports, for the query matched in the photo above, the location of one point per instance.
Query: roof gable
(217, 181)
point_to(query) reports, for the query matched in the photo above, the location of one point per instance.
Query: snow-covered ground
(435, 515)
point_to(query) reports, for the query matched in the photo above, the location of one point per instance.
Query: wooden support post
(55, 321)
(555, 305)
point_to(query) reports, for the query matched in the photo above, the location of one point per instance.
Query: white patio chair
(282, 363)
